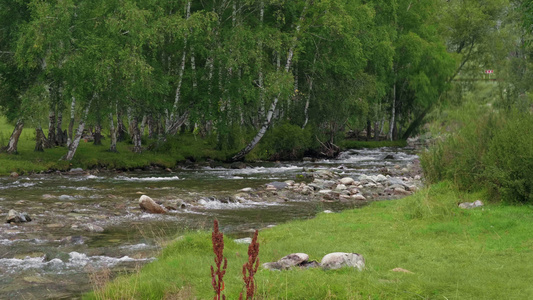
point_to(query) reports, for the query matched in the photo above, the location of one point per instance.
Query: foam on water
(143, 179)
(76, 261)
(243, 203)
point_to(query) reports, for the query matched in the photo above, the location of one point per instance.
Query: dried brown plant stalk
(250, 268)
(217, 276)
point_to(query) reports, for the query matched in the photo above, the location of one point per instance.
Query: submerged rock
(147, 204)
(338, 260)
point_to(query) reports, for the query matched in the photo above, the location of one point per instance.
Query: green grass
(486, 253)
(351, 144)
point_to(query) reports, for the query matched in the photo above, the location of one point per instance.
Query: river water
(54, 255)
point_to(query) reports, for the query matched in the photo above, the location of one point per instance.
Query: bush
(287, 142)
(494, 151)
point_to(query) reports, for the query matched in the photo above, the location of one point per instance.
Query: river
(54, 255)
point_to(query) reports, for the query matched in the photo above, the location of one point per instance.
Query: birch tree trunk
(76, 140)
(143, 124)
(270, 112)
(172, 117)
(71, 123)
(60, 137)
(14, 139)
(113, 133)
(306, 108)
(260, 63)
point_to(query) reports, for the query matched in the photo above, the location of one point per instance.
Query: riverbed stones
(338, 260)
(358, 197)
(347, 181)
(470, 205)
(14, 217)
(148, 204)
(340, 187)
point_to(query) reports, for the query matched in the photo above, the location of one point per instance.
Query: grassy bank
(484, 253)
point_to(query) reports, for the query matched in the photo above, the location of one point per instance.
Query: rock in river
(14, 217)
(147, 204)
(338, 260)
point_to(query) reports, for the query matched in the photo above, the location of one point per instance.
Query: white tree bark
(14, 139)
(266, 124)
(71, 123)
(307, 101)
(260, 63)
(76, 140)
(172, 117)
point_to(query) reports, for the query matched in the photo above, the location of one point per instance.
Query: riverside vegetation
(452, 253)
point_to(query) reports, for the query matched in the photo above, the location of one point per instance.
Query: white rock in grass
(338, 260)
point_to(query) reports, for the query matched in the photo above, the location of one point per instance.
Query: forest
(233, 71)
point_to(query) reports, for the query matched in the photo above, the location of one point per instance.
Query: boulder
(347, 181)
(76, 170)
(147, 204)
(358, 197)
(14, 175)
(287, 262)
(14, 217)
(380, 178)
(469, 205)
(388, 156)
(338, 260)
(340, 187)
(401, 192)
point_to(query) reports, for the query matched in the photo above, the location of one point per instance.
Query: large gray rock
(347, 180)
(15, 217)
(287, 262)
(147, 204)
(338, 260)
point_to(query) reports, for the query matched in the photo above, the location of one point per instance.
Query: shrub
(287, 141)
(493, 151)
